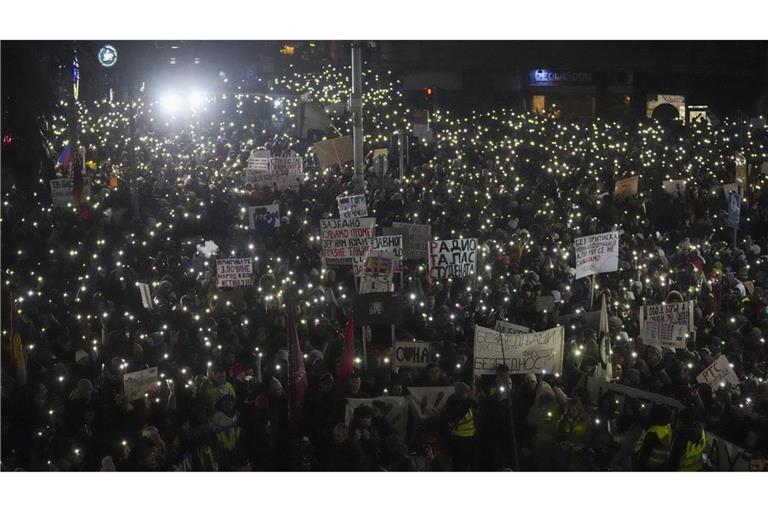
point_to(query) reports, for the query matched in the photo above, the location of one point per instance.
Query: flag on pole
(65, 157)
(297, 375)
(345, 367)
(606, 363)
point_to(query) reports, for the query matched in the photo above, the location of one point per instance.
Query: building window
(539, 104)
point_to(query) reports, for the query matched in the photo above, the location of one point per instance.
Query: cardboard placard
(452, 258)
(596, 254)
(232, 272)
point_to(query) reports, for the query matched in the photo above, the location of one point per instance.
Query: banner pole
(592, 294)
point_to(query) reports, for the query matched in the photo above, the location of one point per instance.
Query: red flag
(345, 367)
(297, 375)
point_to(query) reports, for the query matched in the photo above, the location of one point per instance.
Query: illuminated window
(288, 49)
(539, 103)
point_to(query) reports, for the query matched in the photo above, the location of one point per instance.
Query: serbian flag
(345, 367)
(65, 158)
(297, 375)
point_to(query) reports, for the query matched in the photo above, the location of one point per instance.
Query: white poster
(283, 173)
(136, 384)
(666, 325)
(533, 352)
(411, 354)
(232, 272)
(258, 164)
(718, 374)
(264, 218)
(596, 254)
(509, 328)
(352, 206)
(429, 401)
(62, 192)
(344, 239)
(452, 258)
(396, 411)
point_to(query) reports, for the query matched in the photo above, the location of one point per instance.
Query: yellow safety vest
(693, 458)
(575, 440)
(228, 437)
(659, 455)
(466, 426)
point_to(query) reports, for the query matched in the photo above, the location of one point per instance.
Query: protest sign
(378, 309)
(416, 238)
(264, 218)
(674, 187)
(452, 258)
(718, 374)
(666, 325)
(429, 401)
(334, 151)
(533, 352)
(545, 303)
(233, 272)
(352, 206)
(390, 246)
(734, 211)
(136, 384)
(411, 354)
(626, 187)
(283, 173)
(62, 192)
(377, 274)
(509, 328)
(596, 254)
(146, 297)
(396, 411)
(258, 163)
(344, 239)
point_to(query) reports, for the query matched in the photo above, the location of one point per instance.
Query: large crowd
(151, 188)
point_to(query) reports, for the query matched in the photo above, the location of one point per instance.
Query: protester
(223, 391)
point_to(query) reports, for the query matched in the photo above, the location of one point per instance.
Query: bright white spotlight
(196, 99)
(171, 103)
(278, 102)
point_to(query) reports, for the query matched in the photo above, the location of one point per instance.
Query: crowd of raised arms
(151, 190)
